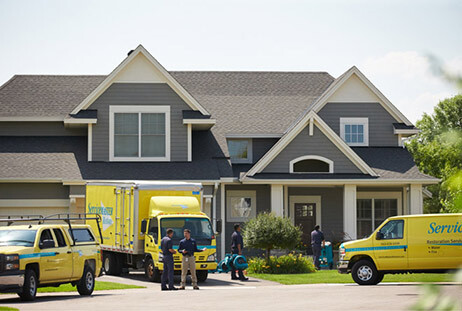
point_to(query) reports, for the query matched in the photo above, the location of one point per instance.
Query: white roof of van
(149, 185)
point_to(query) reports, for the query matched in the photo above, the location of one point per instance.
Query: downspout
(214, 207)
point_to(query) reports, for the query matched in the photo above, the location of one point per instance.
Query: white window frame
(249, 158)
(355, 121)
(311, 157)
(139, 110)
(252, 194)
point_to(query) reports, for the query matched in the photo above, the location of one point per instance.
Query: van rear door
(390, 245)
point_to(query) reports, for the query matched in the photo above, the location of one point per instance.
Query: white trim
(286, 201)
(31, 119)
(321, 101)
(139, 110)
(249, 158)
(326, 130)
(349, 211)
(90, 142)
(35, 203)
(311, 130)
(223, 221)
(77, 196)
(42, 180)
(200, 121)
(406, 131)
(79, 121)
(190, 101)
(316, 199)
(189, 142)
(336, 182)
(427, 193)
(383, 195)
(355, 121)
(310, 157)
(416, 199)
(253, 135)
(277, 200)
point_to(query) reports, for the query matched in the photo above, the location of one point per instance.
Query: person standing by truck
(237, 245)
(167, 251)
(317, 243)
(188, 247)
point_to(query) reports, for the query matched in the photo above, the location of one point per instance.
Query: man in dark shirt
(237, 245)
(317, 243)
(166, 245)
(188, 247)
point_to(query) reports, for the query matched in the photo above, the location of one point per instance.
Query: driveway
(220, 293)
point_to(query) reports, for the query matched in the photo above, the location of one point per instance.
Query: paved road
(219, 293)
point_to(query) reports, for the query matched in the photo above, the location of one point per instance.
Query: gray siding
(331, 209)
(140, 94)
(318, 144)
(260, 146)
(380, 121)
(40, 129)
(33, 191)
(77, 190)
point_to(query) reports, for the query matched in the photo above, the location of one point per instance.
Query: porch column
(277, 200)
(349, 211)
(416, 206)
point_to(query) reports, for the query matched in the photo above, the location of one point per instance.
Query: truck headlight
(161, 257)
(11, 257)
(11, 266)
(212, 257)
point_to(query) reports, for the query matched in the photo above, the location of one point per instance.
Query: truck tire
(152, 273)
(29, 290)
(86, 285)
(112, 264)
(202, 275)
(364, 272)
(379, 278)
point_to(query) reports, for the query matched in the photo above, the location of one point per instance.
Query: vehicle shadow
(50, 297)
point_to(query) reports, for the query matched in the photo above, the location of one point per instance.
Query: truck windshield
(201, 229)
(17, 237)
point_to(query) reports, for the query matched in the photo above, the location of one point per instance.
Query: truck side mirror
(379, 236)
(47, 244)
(144, 225)
(219, 226)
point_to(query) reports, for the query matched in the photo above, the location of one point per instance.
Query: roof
(403, 126)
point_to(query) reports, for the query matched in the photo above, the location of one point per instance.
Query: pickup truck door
(390, 246)
(64, 261)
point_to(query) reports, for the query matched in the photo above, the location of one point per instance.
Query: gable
(318, 145)
(140, 69)
(353, 90)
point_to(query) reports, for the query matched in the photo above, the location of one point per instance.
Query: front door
(305, 217)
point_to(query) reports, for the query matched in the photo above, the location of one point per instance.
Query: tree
(437, 151)
(268, 232)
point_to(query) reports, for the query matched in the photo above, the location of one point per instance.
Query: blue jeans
(167, 274)
(316, 254)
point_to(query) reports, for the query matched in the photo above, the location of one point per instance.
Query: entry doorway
(305, 211)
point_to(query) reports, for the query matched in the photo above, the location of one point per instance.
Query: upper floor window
(240, 150)
(355, 131)
(311, 164)
(139, 133)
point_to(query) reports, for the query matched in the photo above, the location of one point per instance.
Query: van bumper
(342, 266)
(11, 281)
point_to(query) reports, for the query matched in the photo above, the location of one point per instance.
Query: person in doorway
(317, 243)
(166, 245)
(237, 245)
(188, 247)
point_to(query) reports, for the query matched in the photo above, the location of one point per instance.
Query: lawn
(332, 276)
(99, 285)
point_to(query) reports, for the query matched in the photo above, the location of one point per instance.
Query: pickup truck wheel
(152, 273)
(86, 284)
(112, 264)
(202, 275)
(364, 272)
(29, 290)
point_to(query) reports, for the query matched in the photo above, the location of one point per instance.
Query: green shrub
(287, 264)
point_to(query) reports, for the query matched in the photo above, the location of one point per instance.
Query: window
(139, 133)
(46, 235)
(371, 212)
(154, 229)
(355, 131)
(241, 205)
(394, 229)
(311, 164)
(240, 150)
(201, 229)
(59, 237)
(82, 235)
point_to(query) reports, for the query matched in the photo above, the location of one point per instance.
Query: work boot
(196, 287)
(181, 288)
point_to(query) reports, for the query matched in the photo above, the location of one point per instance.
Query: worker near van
(166, 245)
(317, 243)
(188, 247)
(237, 245)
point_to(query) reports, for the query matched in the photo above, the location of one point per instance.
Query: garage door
(32, 207)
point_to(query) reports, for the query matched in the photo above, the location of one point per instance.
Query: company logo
(435, 228)
(105, 212)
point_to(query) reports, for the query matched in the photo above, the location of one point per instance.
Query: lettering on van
(434, 228)
(105, 212)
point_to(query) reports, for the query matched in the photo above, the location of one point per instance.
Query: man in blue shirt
(237, 245)
(166, 246)
(317, 243)
(188, 247)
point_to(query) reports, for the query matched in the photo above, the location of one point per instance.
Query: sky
(389, 40)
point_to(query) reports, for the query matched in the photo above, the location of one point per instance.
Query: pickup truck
(37, 255)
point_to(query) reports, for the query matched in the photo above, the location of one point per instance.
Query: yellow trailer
(135, 216)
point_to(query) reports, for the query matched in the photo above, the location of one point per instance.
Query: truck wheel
(112, 264)
(364, 273)
(379, 279)
(86, 284)
(152, 273)
(202, 275)
(29, 290)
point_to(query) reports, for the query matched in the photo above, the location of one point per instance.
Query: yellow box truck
(415, 243)
(135, 216)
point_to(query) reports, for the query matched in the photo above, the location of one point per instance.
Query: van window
(82, 235)
(394, 229)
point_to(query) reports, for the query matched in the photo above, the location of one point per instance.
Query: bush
(288, 264)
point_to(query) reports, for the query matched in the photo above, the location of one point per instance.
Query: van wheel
(202, 275)
(379, 279)
(364, 273)
(29, 290)
(112, 264)
(86, 284)
(152, 273)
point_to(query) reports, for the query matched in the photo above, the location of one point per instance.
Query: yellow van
(430, 243)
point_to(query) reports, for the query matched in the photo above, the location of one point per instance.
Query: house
(304, 145)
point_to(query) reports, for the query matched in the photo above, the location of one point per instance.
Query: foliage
(268, 232)
(287, 264)
(437, 151)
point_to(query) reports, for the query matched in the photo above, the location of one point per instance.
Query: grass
(332, 276)
(99, 285)
(8, 309)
